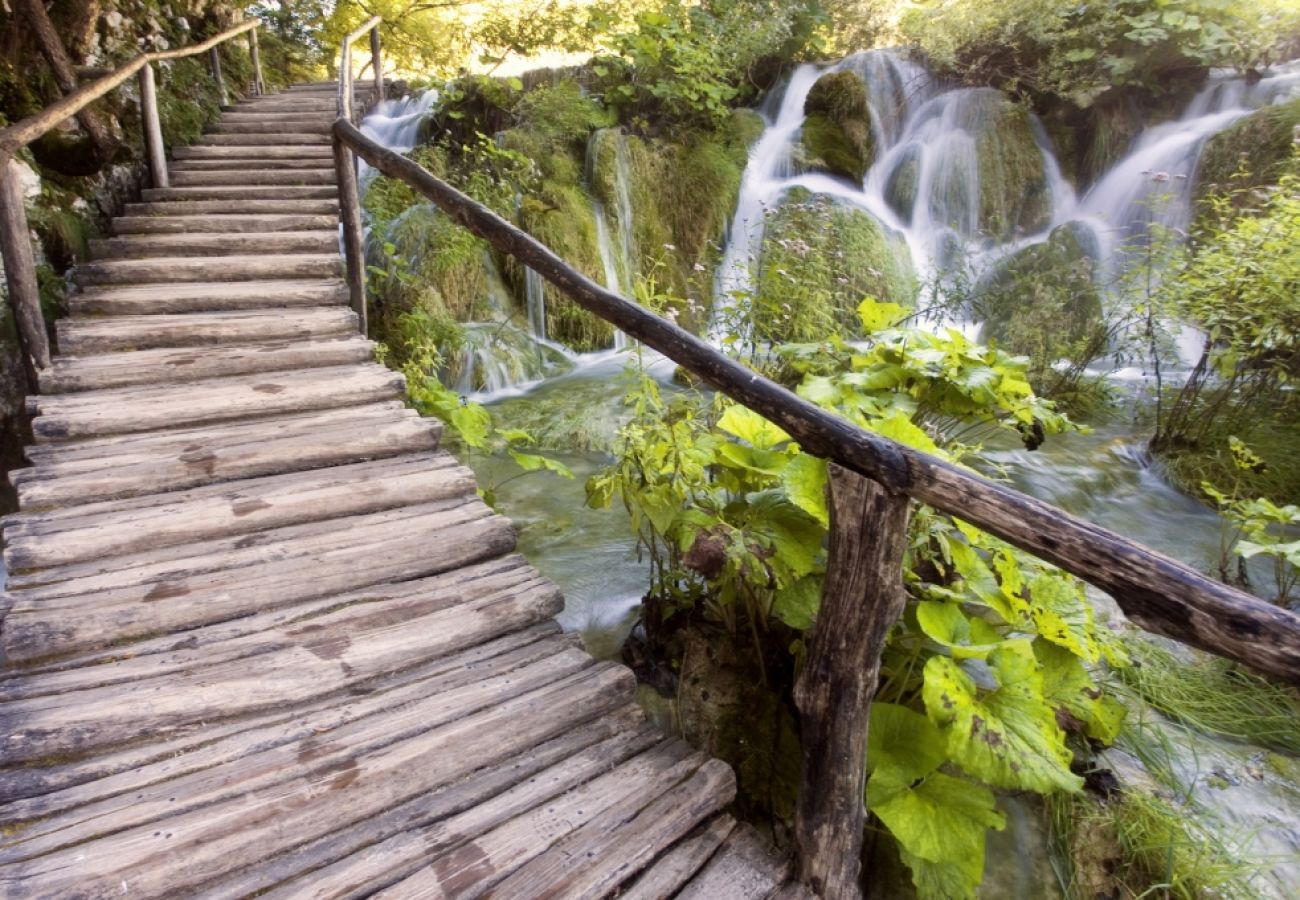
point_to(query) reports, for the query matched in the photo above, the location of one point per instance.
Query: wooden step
(44, 539)
(139, 246)
(344, 555)
(249, 193)
(130, 467)
(235, 206)
(69, 374)
(258, 164)
(206, 297)
(205, 268)
(309, 118)
(186, 178)
(267, 140)
(87, 337)
(136, 409)
(197, 152)
(222, 223)
(291, 125)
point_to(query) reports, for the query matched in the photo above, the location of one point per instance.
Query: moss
(819, 259)
(1014, 196)
(1250, 153)
(188, 100)
(837, 136)
(903, 183)
(1044, 301)
(580, 416)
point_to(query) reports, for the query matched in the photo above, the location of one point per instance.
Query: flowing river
(927, 128)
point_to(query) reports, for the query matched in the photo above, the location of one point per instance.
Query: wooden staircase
(262, 636)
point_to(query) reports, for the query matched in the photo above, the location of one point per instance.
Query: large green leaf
(903, 740)
(940, 820)
(1007, 736)
(1062, 614)
(796, 604)
(946, 624)
(804, 480)
(1067, 685)
(877, 315)
(752, 428)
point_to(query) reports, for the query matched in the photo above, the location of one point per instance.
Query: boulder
(837, 136)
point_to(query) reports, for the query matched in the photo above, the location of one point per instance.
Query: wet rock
(837, 136)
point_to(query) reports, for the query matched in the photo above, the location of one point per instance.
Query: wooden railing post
(20, 271)
(862, 599)
(214, 57)
(259, 86)
(153, 140)
(345, 167)
(375, 64)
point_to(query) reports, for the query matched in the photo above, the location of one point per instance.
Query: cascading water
(617, 259)
(396, 123)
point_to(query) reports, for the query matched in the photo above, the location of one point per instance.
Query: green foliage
(988, 677)
(836, 133)
(1082, 52)
(1252, 153)
(1240, 282)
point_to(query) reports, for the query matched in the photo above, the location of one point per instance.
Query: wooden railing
(872, 481)
(15, 241)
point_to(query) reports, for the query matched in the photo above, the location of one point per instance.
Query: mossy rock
(819, 259)
(1259, 146)
(1014, 195)
(836, 135)
(903, 183)
(1044, 301)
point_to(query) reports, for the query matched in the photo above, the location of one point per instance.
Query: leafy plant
(985, 682)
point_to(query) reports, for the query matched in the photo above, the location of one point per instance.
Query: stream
(1102, 475)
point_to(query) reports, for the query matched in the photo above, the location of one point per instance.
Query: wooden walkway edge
(261, 637)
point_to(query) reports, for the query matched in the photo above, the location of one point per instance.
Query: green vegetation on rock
(1253, 152)
(1014, 196)
(836, 136)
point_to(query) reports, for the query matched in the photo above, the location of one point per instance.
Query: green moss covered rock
(1044, 301)
(1014, 196)
(1252, 152)
(903, 182)
(819, 259)
(836, 136)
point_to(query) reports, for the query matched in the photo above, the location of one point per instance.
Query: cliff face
(73, 183)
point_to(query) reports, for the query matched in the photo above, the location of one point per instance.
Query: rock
(837, 136)
(903, 181)
(1259, 145)
(1014, 196)
(1044, 300)
(819, 259)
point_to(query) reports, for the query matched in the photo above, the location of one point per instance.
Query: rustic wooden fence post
(153, 140)
(214, 57)
(20, 273)
(862, 599)
(259, 86)
(375, 64)
(354, 251)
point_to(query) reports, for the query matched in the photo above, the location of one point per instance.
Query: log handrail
(15, 243)
(871, 480)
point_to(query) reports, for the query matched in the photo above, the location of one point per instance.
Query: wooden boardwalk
(262, 637)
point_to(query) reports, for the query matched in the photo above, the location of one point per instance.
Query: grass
(1214, 696)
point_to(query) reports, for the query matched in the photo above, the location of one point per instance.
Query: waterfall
(617, 260)
(535, 294)
(396, 123)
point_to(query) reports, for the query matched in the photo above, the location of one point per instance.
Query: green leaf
(796, 604)
(940, 820)
(946, 624)
(877, 316)
(472, 422)
(1062, 614)
(1067, 684)
(804, 480)
(531, 462)
(904, 740)
(752, 428)
(1008, 736)
(898, 426)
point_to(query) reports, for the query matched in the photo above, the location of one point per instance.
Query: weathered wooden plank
(472, 869)
(208, 297)
(172, 366)
(205, 268)
(744, 868)
(148, 408)
(215, 243)
(66, 625)
(265, 140)
(331, 787)
(184, 561)
(229, 223)
(666, 875)
(39, 791)
(315, 659)
(261, 192)
(191, 178)
(263, 632)
(367, 856)
(295, 125)
(262, 151)
(615, 845)
(120, 527)
(86, 337)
